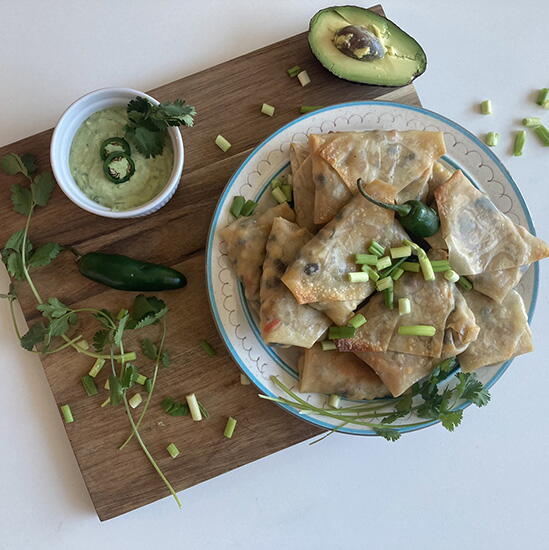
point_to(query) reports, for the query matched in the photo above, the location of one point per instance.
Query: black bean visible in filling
(311, 269)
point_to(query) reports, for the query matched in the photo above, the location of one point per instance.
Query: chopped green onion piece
(140, 379)
(520, 140)
(397, 274)
(236, 206)
(289, 179)
(89, 385)
(279, 195)
(376, 248)
(229, 427)
(384, 283)
(304, 109)
(106, 402)
(334, 401)
(288, 191)
(424, 263)
(383, 263)
(173, 451)
(194, 408)
(248, 208)
(410, 266)
(334, 333)
(451, 276)
(531, 122)
(465, 283)
(303, 78)
(267, 109)
(276, 182)
(492, 139)
(130, 356)
(417, 330)
(389, 297)
(400, 252)
(294, 71)
(543, 134)
(358, 277)
(372, 273)
(148, 385)
(135, 400)
(327, 345)
(440, 263)
(357, 321)
(543, 97)
(244, 380)
(67, 414)
(486, 107)
(222, 143)
(97, 366)
(208, 348)
(440, 268)
(368, 259)
(404, 306)
(107, 386)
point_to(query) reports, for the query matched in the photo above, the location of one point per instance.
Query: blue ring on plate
(217, 213)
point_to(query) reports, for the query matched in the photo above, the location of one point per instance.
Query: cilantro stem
(24, 256)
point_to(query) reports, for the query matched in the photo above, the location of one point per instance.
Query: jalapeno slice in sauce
(114, 145)
(118, 167)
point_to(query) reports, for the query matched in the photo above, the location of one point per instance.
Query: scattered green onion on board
(486, 107)
(400, 252)
(89, 385)
(106, 402)
(384, 284)
(327, 345)
(244, 380)
(465, 283)
(531, 122)
(279, 195)
(404, 306)
(410, 266)
(334, 333)
(294, 71)
(492, 139)
(358, 277)
(248, 208)
(334, 401)
(222, 143)
(389, 297)
(357, 321)
(208, 348)
(135, 400)
(451, 276)
(366, 259)
(417, 330)
(372, 273)
(397, 274)
(304, 109)
(194, 408)
(229, 427)
(543, 134)
(67, 414)
(237, 205)
(543, 98)
(141, 379)
(267, 109)
(376, 248)
(383, 263)
(303, 78)
(97, 366)
(173, 451)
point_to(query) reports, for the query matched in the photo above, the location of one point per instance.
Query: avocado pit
(359, 43)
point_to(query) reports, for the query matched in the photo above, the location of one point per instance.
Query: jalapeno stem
(400, 209)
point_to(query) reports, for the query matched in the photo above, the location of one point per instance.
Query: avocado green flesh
(404, 58)
(86, 165)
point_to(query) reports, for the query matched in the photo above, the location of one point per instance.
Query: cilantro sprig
(428, 399)
(148, 124)
(59, 322)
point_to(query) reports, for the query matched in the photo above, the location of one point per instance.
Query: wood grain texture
(228, 98)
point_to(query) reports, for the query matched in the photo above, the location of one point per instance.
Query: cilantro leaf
(106, 322)
(148, 142)
(59, 326)
(145, 311)
(14, 265)
(405, 404)
(389, 434)
(13, 164)
(42, 188)
(115, 389)
(174, 408)
(119, 332)
(100, 340)
(138, 108)
(15, 242)
(451, 419)
(129, 376)
(470, 387)
(29, 161)
(149, 348)
(34, 336)
(45, 255)
(176, 113)
(394, 416)
(53, 308)
(21, 198)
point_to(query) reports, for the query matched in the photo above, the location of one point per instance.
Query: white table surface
(484, 486)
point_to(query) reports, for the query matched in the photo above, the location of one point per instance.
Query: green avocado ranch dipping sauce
(86, 165)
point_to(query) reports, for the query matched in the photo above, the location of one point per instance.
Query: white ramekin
(61, 143)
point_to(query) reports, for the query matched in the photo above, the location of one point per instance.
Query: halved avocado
(358, 45)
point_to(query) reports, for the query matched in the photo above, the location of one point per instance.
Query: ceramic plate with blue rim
(237, 324)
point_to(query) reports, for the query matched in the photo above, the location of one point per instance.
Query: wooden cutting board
(228, 98)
